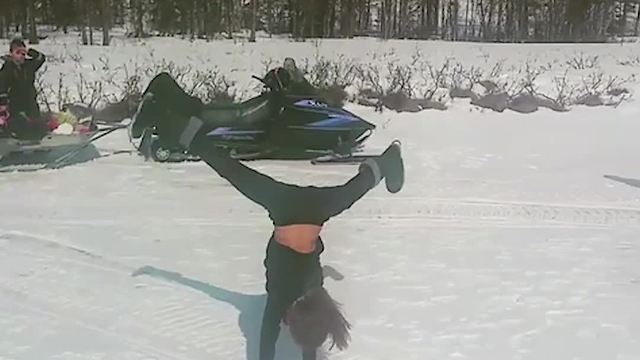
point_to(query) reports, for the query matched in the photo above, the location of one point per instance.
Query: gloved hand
(33, 53)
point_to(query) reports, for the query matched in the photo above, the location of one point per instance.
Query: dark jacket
(17, 84)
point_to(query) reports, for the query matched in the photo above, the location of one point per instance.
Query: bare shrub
(326, 72)
(369, 80)
(630, 61)
(583, 62)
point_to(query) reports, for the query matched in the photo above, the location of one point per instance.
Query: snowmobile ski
(337, 159)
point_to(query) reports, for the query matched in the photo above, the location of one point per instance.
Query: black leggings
(286, 203)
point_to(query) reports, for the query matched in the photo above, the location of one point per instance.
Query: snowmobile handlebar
(263, 81)
(272, 82)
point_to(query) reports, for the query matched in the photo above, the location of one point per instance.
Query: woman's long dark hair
(316, 316)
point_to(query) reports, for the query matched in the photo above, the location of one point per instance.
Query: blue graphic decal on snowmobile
(227, 133)
(311, 103)
(334, 120)
(332, 123)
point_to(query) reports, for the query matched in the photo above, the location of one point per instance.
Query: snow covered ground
(515, 237)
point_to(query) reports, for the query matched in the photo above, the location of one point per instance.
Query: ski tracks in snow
(482, 213)
(69, 298)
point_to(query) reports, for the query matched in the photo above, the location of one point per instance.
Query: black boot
(174, 130)
(389, 166)
(164, 99)
(392, 166)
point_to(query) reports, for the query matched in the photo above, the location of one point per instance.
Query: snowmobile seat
(247, 113)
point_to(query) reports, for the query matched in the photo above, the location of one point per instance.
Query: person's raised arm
(37, 59)
(273, 313)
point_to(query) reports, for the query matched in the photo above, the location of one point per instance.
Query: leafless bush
(547, 66)
(563, 92)
(125, 83)
(179, 72)
(268, 64)
(374, 80)
(76, 57)
(319, 71)
(89, 92)
(598, 83)
(208, 84)
(104, 64)
(526, 82)
(48, 94)
(326, 73)
(41, 88)
(583, 62)
(496, 70)
(630, 61)
(130, 85)
(213, 87)
(61, 92)
(596, 87)
(399, 79)
(491, 78)
(464, 78)
(434, 77)
(369, 79)
(531, 75)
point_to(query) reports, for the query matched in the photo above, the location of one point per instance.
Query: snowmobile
(305, 128)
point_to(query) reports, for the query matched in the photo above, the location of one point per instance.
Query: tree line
(456, 20)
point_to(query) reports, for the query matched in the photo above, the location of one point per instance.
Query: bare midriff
(299, 237)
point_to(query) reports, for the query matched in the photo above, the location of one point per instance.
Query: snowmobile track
(506, 213)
